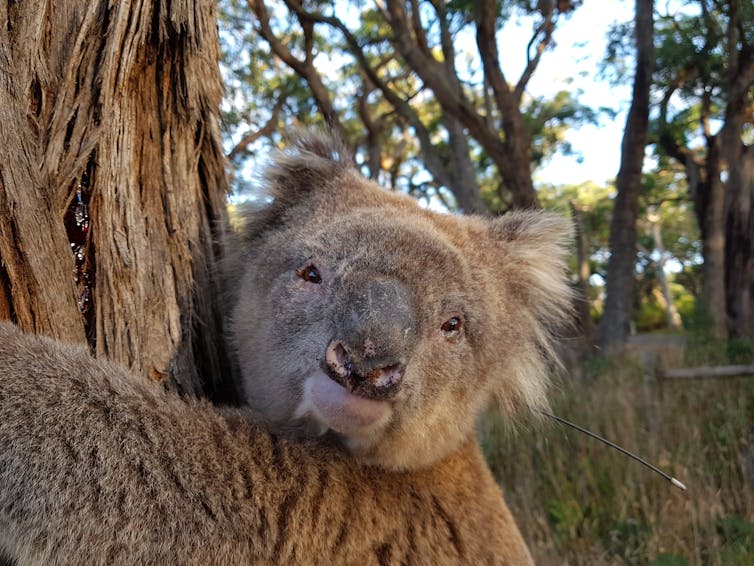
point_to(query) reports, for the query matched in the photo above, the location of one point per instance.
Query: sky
(581, 43)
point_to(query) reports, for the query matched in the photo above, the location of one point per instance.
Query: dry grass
(580, 502)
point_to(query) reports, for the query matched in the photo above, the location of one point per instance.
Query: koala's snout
(377, 380)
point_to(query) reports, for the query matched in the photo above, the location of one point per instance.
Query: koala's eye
(452, 326)
(309, 273)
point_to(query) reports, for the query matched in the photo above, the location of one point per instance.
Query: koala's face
(367, 327)
(362, 316)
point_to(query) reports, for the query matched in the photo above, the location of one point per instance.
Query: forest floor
(578, 501)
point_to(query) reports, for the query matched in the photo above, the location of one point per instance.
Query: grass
(578, 501)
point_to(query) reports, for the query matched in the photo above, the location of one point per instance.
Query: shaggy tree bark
(111, 147)
(614, 326)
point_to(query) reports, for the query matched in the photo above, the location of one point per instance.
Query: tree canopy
(420, 89)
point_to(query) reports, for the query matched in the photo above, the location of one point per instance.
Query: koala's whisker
(652, 467)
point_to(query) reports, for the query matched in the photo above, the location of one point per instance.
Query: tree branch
(433, 163)
(486, 17)
(264, 29)
(421, 38)
(546, 28)
(269, 127)
(435, 76)
(304, 69)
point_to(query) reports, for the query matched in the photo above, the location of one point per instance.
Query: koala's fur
(391, 274)
(358, 314)
(98, 467)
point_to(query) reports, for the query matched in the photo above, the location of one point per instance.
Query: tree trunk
(111, 145)
(707, 192)
(513, 157)
(712, 227)
(614, 326)
(671, 312)
(739, 242)
(461, 171)
(739, 231)
(583, 271)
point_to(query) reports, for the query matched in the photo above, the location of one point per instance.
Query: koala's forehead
(391, 242)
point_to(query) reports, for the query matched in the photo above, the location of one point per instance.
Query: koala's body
(99, 467)
(371, 331)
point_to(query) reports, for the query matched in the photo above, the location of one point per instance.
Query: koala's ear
(309, 162)
(538, 228)
(533, 247)
(536, 246)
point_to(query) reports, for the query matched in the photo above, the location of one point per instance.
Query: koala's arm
(98, 467)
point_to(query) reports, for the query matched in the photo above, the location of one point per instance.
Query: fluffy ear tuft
(311, 160)
(535, 247)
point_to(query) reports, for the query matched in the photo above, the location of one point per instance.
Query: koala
(406, 324)
(370, 334)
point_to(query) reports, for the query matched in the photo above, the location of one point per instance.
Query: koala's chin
(329, 406)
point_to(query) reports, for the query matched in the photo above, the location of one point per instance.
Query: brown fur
(98, 467)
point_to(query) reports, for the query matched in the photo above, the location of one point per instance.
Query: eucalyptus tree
(705, 92)
(614, 326)
(112, 181)
(427, 73)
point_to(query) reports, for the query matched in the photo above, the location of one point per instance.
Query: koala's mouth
(335, 408)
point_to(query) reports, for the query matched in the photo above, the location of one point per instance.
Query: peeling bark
(132, 88)
(33, 244)
(6, 306)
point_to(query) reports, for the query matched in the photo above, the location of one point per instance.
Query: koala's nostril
(338, 361)
(385, 377)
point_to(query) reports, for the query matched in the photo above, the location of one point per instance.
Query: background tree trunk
(739, 243)
(739, 236)
(712, 228)
(583, 272)
(614, 326)
(111, 143)
(671, 312)
(707, 192)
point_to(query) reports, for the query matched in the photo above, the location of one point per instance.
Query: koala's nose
(374, 335)
(375, 378)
